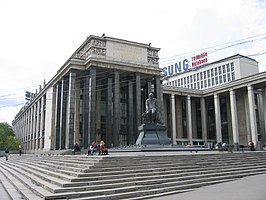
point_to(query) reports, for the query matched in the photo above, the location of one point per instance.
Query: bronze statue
(151, 114)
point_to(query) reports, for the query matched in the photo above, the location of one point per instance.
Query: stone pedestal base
(152, 134)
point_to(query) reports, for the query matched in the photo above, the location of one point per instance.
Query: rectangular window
(212, 81)
(195, 87)
(211, 72)
(194, 77)
(233, 76)
(228, 67)
(205, 83)
(185, 81)
(228, 77)
(224, 77)
(188, 79)
(201, 76)
(220, 79)
(201, 84)
(216, 80)
(232, 66)
(209, 83)
(198, 85)
(204, 74)
(224, 69)
(175, 82)
(220, 70)
(178, 81)
(208, 73)
(197, 76)
(215, 71)
(181, 82)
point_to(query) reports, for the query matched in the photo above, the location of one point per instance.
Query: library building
(99, 94)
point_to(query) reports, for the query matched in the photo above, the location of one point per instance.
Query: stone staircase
(122, 175)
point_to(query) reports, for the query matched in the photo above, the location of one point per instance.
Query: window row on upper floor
(207, 78)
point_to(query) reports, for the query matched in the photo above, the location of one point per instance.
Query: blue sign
(176, 68)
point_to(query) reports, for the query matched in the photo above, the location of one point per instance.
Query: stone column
(217, 118)
(34, 126)
(261, 111)
(85, 113)
(42, 122)
(37, 128)
(173, 119)
(92, 107)
(70, 120)
(57, 116)
(189, 121)
(248, 131)
(89, 108)
(131, 135)
(252, 115)
(264, 115)
(203, 121)
(109, 113)
(77, 112)
(159, 95)
(63, 114)
(31, 126)
(234, 119)
(138, 114)
(27, 130)
(179, 116)
(116, 126)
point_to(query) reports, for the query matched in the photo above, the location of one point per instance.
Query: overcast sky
(38, 36)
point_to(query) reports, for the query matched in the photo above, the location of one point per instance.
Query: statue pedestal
(152, 134)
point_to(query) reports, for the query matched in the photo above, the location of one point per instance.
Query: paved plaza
(247, 188)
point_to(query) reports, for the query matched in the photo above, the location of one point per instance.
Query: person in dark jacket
(7, 153)
(20, 150)
(76, 148)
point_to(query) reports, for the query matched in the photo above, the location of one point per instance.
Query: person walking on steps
(7, 153)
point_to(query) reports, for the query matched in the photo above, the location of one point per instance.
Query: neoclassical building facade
(100, 93)
(234, 113)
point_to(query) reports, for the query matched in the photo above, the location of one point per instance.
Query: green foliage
(7, 137)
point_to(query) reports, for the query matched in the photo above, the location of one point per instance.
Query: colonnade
(30, 127)
(254, 116)
(68, 102)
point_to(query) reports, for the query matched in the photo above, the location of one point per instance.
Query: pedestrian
(224, 146)
(20, 150)
(7, 153)
(76, 148)
(103, 150)
(92, 148)
(251, 146)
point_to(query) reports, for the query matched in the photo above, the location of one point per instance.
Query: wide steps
(125, 177)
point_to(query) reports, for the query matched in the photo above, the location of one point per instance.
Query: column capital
(232, 92)
(215, 95)
(250, 87)
(72, 74)
(172, 96)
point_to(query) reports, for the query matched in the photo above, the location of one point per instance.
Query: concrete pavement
(247, 188)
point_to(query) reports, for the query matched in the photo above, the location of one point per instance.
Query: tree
(7, 137)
